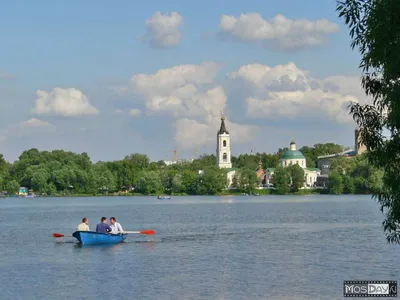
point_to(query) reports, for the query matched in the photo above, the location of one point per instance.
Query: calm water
(205, 248)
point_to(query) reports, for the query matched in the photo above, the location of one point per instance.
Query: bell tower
(223, 146)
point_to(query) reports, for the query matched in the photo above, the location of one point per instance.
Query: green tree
(246, 180)
(212, 181)
(12, 187)
(343, 165)
(177, 183)
(335, 183)
(189, 181)
(349, 186)
(281, 180)
(312, 153)
(149, 183)
(374, 29)
(296, 174)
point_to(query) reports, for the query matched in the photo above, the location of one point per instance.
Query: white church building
(291, 157)
(224, 151)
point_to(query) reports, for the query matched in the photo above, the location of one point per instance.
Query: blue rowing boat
(95, 238)
(163, 197)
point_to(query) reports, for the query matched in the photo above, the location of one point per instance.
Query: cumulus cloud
(163, 30)
(279, 32)
(28, 128)
(189, 94)
(64, 102)
(184, 90)
(192, 133)
(285, 91)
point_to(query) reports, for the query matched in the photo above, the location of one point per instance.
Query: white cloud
(189, 94)
(134, 112)
(35, 123)
(191, 133)
(30, 127)
(184, 90)
(163, 30)
(287, 92)
(64, 102)
(280, 31)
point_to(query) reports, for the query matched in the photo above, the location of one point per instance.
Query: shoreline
(255, 194)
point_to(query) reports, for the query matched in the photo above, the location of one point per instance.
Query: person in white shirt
(115, 226)
(84, 225)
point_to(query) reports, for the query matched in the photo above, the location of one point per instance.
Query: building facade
(223, 146)
(324, 162)
(292, 157)
(224, 151)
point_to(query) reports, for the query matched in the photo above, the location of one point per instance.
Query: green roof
(292, 154)
(271, 169)
(314, 169)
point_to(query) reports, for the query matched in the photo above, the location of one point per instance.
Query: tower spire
(222, 129)
(292, 145)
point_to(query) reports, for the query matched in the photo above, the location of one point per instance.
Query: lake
(266, 247)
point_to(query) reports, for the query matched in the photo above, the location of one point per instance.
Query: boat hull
(95, 238)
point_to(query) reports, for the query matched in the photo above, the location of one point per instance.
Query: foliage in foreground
(375, 31)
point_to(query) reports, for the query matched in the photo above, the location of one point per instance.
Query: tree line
(62, 172)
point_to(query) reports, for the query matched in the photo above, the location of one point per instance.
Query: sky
(111, 78)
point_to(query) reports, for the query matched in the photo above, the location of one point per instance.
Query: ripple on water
(205, 248)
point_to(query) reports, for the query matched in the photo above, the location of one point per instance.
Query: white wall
(221, 150)
(287, 162)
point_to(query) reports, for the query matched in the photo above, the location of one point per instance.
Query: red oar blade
(57, 235)
(151, 232)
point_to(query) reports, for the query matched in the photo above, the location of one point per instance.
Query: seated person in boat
(84, 226)
(115, 226)
(103, 227)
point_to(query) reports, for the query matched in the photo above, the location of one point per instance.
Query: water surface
(266, 247)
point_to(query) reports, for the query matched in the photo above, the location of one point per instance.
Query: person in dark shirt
(103, 227)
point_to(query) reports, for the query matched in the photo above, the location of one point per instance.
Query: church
(291, 157)
(224, 151)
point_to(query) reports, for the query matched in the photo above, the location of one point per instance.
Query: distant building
(292, 157)
(224, 151)
(324, 162)
(223, 147)
(261, 173)
(23, 191)
(179, 161)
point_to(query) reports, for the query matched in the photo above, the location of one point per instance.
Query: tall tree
(375, 31)
(297, 176)
(281, 180)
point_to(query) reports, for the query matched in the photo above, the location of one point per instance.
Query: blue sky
(96, 48)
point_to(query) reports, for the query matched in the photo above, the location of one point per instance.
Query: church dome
(292, 154)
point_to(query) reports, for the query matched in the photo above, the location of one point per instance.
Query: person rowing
(115, 226)
(103, 227)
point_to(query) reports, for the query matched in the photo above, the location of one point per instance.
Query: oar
(58, 235)
(150, 232)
